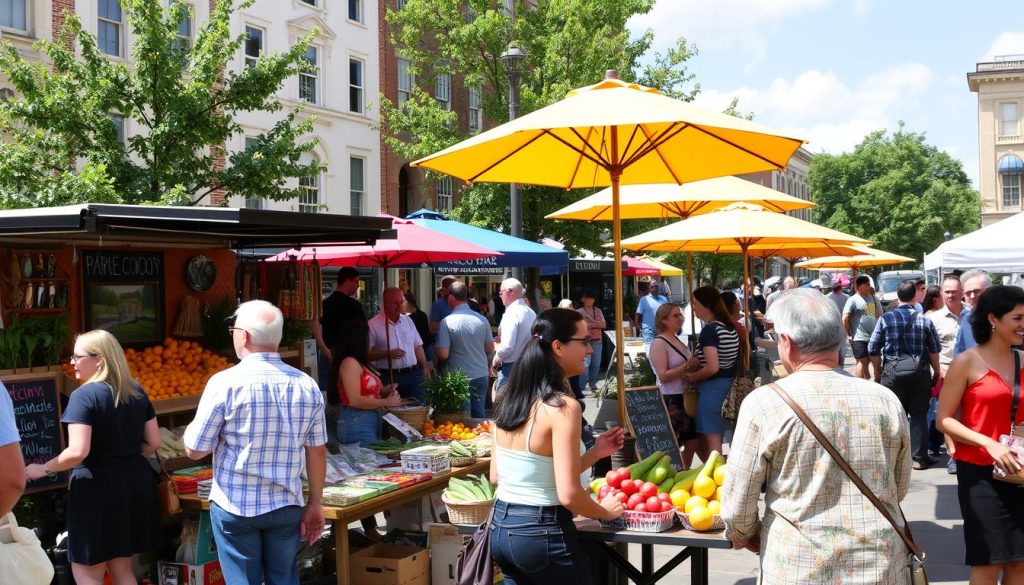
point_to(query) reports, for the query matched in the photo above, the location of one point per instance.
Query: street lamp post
(512, 57)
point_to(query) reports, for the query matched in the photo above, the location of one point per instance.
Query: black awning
(204, 226)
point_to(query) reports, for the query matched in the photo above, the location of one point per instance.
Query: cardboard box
(389, 564)
(182, 574)
(429, 458)
(445, 544)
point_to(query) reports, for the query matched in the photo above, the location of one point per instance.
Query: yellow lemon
(703, 487)
(720, 474)
(715, 507)
(694, 502)
(701, 519)
(717, 495)
(679, 497)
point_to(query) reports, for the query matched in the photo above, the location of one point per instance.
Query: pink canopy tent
(637, 267)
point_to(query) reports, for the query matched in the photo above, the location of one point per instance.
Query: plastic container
(432, 458)
(718, 523)
(642, 521)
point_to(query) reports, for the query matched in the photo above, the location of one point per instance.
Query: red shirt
(985, 408)
(369, 385)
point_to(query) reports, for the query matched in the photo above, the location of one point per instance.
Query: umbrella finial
(611, 74)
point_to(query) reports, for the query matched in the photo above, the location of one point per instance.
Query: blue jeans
(591, 373)
(503, 374)
(537, 545)
(478, 399)
(257, 549)
(323, 372)
(711, 395)
(410, 384)
(358, 425)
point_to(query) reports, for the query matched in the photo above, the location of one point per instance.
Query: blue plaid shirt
(888, 339)
(256, 418)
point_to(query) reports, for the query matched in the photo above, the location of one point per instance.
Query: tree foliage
(896, 190)
(182, 97)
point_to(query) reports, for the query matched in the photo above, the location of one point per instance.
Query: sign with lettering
(106, 265)
(37, 414)
(651, 426)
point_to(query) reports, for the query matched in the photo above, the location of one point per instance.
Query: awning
(199, 226)
(516, 251)
(637, 267)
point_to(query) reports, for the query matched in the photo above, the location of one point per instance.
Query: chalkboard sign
(37, 413)
(651, 426)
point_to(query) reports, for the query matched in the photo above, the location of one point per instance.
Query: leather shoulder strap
(904, 532)
(1016, 388)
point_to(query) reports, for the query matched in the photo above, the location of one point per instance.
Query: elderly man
(901, 334)
(394, 334)
(974, 283)
(817, 527)
(464, 341)
(263, 420)
(788, 283)
(646, 308)
(514, 329)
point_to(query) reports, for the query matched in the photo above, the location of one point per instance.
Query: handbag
(166, 491)
(22, 558)
(1016, 433)
(918, 574)
(475, 565)
(742, 385)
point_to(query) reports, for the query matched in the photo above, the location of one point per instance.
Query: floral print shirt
(817, 526)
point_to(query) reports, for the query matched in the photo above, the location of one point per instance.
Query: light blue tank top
(526, 478)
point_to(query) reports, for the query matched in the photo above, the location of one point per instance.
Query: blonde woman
(112, 508)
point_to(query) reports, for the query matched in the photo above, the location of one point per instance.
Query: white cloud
(1007, 43)
(824, 109)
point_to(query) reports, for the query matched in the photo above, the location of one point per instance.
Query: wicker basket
(718, 524)
(462, 461)
(414, 416)
(471, 513)
(642, 521)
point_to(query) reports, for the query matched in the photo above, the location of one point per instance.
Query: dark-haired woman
(980, 386)
(594, 317)
(932, 299)
(358, 388)
(714, 363)
(539, 457)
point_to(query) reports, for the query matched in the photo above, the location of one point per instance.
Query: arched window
(309, 195)
(1010, 169)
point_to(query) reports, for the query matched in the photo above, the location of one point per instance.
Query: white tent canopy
(996, 248)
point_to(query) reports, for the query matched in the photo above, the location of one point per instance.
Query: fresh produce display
(657, 489)
(458, 449)
(448, 430)
(484, 427)
(394, 446)
(170, 444)
(174, 369)
(474, 488)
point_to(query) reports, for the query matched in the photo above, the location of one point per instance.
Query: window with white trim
(118, 121)
(108, 27)
(308, 79)
(253, 202)
(1009, 119)
(13, 14)
(400, 4)
(475, 117)
(443, 90)
(309, 192)
(405, 81)
(355, 85)
(357, 184)
(184, 37)
(1011, 191)
(444, 194)
(355, 10)
(253, 46)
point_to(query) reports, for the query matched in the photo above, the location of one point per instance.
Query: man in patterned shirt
(262, 420)
(817, 526)
(906, 331)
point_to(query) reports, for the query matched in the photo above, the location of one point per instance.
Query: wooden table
(694, 545)
(341, 517)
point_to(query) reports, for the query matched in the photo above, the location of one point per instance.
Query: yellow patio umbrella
(866, 257)
(666, 269)
(613, 133)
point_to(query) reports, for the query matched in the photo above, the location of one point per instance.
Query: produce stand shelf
(173, 405)
(342, 516)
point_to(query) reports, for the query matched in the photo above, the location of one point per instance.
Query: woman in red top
(980, 386)
(359, 389)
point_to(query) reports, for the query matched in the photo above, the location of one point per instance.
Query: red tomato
(664, 497)
(666, 507)
(630, 487)
(612, 479)
(653, 504)
(648, 489)
(621, 496)
(633, 501)
(601, 493)
(640, 508)
(624, 471)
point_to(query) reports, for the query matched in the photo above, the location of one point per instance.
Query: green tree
(180, 94)
(896, 190)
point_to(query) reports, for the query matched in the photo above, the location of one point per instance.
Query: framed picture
(131, 311)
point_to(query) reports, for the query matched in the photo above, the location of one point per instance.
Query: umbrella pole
(690, 283)
(387, 329)
(620, 342)
(746, 288)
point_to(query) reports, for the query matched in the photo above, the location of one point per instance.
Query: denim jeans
(410, 384)
(358, 425)
(591, 374)
(503, 374)
(478, 399)
(537, 545)
(257, 549)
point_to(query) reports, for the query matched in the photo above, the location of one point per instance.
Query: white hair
(262, 320)
(513, 285)
(974, 275)
(808, 318)
(565, 304)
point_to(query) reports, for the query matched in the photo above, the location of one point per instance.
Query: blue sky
(831, 72)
